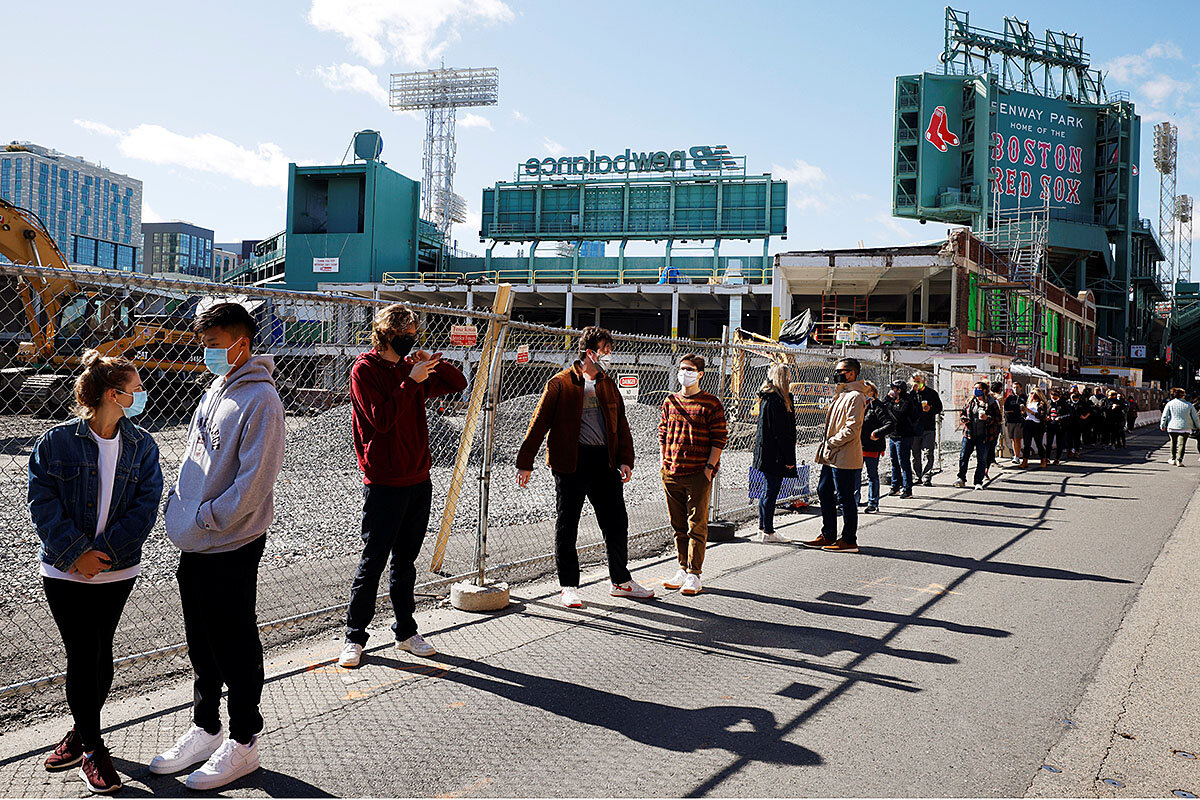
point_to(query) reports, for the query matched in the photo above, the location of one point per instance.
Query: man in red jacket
(388, 389)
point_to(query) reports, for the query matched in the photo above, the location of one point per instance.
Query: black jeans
(980, 447)
(594, 480)
(394, 520)
(1033, 435)
(1055, 437)
(838, 485)
(219, 592)
(86, 615)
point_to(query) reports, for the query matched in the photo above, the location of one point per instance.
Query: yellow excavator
(65, 314)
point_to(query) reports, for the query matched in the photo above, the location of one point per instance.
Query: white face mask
(604, 361)
(688, 378)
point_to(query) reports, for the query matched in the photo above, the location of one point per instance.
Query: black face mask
(403, 344)
(840, 377)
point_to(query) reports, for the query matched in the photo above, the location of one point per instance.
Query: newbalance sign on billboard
(1041, 150)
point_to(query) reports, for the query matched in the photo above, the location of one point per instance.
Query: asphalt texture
(948, 658)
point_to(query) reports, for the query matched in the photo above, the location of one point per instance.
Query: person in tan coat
(841, 458)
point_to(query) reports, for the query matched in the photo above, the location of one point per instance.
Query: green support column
(487, 259)
(621, 252)
(717, 248)
(532, 251)
(667, 263)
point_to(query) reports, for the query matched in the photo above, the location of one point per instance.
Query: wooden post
(502, 305)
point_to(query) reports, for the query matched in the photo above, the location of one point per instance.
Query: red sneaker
(67, 754)
(98, 772)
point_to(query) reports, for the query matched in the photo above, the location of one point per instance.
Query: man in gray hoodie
(217, 514)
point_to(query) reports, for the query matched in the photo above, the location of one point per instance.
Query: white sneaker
(230, 762)
(677, 581)
(979, 486)
(570, 597)
(417, 645)
(775, 538)
(351, 655)
(631, 588)
(691, 586)
(193, 748)
(1171, 462)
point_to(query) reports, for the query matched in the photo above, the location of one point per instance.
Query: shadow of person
(265, 781)
(746, 731)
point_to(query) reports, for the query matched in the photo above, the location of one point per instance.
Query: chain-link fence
(48, 318)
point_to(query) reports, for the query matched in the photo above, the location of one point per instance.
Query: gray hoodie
(225, 495)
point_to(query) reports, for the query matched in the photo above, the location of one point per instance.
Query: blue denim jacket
(64, 488)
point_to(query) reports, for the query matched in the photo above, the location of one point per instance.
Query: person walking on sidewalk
(1114, 415)
(1014, 418)
(590, 454)
(995, 450)
(217, 514)
(691, 436)
(981, 424)
(94, 489)
(1058, 418)
(774, 445)
(1180, 421)
(924, 445)
(389, 387)
(877, 424)
(904, 411)
(840, 455)
(1034, 411)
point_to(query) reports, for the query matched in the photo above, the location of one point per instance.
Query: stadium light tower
(439, 92)
(1183, 248)
(1166, 150)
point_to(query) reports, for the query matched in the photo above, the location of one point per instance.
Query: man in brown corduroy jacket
(590, 454)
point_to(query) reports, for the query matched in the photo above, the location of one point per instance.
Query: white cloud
(353, 78)
(149, 214)
(553, 147)
(1128, 67)
(802, 176)
(801, 173)
(470, 120)
(1160, 88)
(415, 32)
(519, 117)
(265, 165)
(97, 127)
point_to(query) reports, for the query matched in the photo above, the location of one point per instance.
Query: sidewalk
(939, 661)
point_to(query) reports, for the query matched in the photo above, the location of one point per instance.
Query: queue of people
(95, 484)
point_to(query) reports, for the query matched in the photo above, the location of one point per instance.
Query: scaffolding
(840, 312)
(1014, 280)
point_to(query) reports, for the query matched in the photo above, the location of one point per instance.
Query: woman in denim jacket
(94, 490)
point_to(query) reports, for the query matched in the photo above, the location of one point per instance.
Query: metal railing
(314, 543)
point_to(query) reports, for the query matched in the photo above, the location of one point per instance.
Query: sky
(208, 103)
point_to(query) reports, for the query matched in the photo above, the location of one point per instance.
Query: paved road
(940, 661)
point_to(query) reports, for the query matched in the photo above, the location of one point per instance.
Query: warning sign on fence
(523, 354)
(463, 335)
(628, 386)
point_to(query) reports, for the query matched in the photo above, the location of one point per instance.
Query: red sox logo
(937, 134)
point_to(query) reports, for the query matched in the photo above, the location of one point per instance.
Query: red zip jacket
(391, 435)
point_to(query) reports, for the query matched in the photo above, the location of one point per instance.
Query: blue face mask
(979, 392)
(216, 359)
(138, 405)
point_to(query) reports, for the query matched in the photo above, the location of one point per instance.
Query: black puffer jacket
(877, 420)
(775, 442)
(907, 415)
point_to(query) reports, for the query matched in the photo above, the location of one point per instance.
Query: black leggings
(1056, 439)
(87, 616)
(1033, 434)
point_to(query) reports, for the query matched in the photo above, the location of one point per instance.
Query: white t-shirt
(110, 453)
(1031, 414)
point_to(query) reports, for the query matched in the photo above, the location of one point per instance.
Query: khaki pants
(687, 505)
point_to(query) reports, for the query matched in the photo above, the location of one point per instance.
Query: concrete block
(466, 596)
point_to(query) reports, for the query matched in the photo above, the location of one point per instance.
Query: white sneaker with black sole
(230, 762)
(417, 645)
(193, 748)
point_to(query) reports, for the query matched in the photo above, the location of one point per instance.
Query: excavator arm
(24, 240)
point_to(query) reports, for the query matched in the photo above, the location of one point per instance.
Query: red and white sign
(937, 133)
(325, 265)
(628, 386)
(463, 335)
(523, 354)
